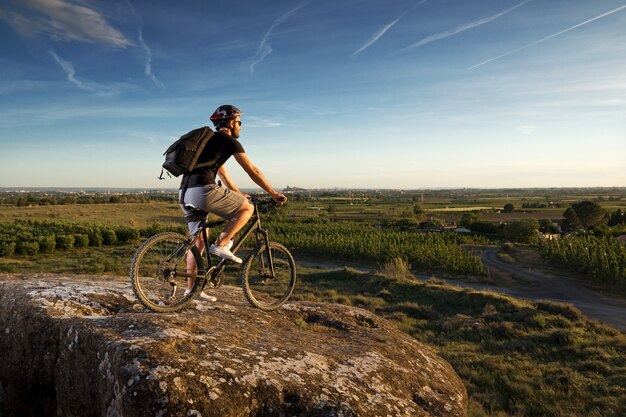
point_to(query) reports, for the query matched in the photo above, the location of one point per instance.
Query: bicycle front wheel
(269, 276)
(158, 271)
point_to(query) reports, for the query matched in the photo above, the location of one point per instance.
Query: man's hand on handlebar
(279, 198)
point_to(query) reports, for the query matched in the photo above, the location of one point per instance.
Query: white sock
(222, 236)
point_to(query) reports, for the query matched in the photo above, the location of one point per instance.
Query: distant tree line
(581, 217)
(537, 205)
(46, 199)
(29, 237)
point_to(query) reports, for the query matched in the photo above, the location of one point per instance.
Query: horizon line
(335, 188)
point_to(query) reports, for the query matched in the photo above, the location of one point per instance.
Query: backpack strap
(185, 185)
(161, 177)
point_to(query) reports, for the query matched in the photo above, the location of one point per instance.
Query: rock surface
(83, 346)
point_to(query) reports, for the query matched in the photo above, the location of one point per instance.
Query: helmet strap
(224, 128)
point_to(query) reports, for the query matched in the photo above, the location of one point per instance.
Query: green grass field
(136, 215)
(516, 358)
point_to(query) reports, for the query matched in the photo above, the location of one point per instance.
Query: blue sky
(365, 94)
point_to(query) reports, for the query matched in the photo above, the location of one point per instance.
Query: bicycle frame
(254, 227)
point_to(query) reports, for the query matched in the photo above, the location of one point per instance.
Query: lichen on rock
(218, 359)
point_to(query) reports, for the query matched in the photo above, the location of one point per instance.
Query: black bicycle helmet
(224, 113)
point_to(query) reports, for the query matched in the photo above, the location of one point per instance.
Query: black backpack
(182, 156)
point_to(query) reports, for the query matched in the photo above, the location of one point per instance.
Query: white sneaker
(224, 252)
(202, 296)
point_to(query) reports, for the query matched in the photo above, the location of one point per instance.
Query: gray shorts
(213, 199)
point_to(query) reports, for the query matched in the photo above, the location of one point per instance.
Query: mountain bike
(159, 268)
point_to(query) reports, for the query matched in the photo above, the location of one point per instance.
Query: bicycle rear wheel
(158, 271)
(264, 288)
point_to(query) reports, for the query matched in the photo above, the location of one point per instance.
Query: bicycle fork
(266, 263)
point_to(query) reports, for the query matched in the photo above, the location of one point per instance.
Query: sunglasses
(238, 122)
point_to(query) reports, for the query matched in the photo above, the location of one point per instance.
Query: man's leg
(191, 262)
(236, 223)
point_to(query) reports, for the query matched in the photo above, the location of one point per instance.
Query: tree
(419, 212)
(589, 214)
(617, 217)
(522, 231)
(489, 228)
(508, 208)
(571, 221)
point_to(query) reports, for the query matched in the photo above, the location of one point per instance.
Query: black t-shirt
(216, 152)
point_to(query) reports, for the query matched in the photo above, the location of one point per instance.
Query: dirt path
(541, 285)
(530, 284)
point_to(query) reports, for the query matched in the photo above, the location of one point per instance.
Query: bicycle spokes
(265, 287)
(159, 271)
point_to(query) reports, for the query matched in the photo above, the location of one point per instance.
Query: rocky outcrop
(82, 346)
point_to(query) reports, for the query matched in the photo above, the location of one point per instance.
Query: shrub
(65, 242)
(183, 230)
(153, 229)
(108, 237)
(7, 249)
(126, 234)
(95, 236)
(47, 243)
(397, 268)
(81, 240)
(27, 247)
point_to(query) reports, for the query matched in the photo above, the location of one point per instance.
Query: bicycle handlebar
(262, 201)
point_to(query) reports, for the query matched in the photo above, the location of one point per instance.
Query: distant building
(289, 189)
(550, 236)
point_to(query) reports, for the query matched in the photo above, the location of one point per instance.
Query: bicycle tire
(260, 288)
(153, 272)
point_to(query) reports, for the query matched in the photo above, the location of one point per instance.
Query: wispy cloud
(264, 47)
(376, 36)
(70, 73)
(261, 122)
(549, 37)
(62, 20)
(148, 61)
(146, 49)
(461, 28)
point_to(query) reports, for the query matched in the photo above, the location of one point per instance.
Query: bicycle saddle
(195, 214)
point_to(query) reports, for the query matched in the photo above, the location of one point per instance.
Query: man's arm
(257, 176)
(226, 179)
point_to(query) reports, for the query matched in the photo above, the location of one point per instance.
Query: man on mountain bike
(199, 189)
